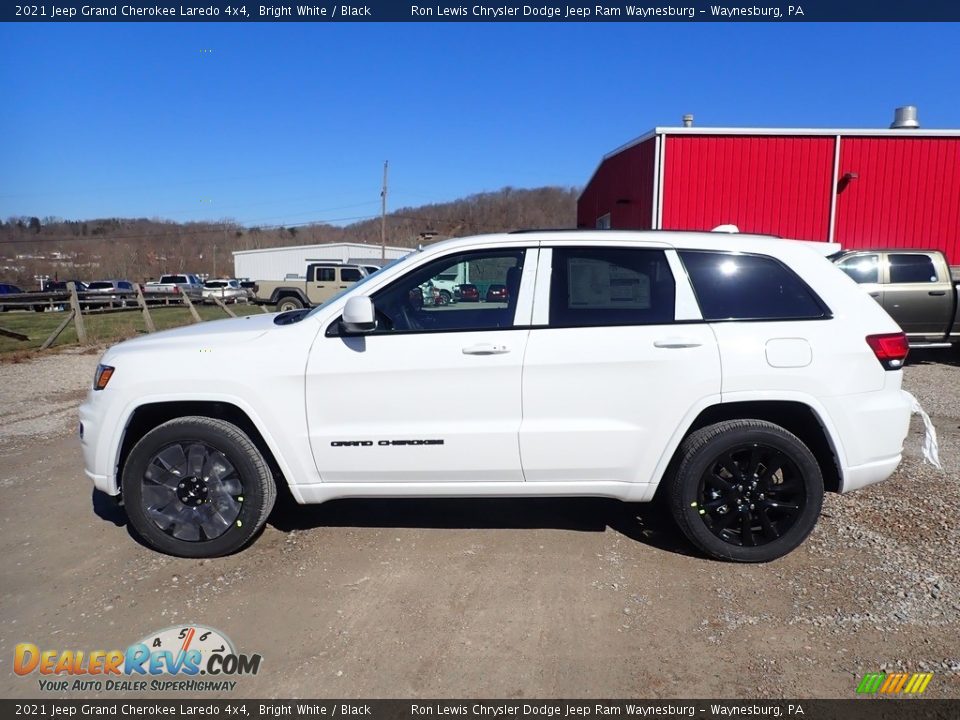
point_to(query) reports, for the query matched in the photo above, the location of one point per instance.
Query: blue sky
(288, 123)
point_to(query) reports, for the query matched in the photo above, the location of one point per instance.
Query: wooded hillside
(140, 249)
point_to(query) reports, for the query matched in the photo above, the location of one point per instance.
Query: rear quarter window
(734, 286)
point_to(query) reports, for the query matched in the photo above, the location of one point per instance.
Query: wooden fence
(77, 305)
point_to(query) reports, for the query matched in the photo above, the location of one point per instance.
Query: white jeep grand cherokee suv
(739, 376)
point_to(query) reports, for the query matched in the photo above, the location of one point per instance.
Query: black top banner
(502, 11)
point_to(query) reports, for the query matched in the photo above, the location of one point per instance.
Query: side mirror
(358, 316)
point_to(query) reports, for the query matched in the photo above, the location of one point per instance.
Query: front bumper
(98, 466)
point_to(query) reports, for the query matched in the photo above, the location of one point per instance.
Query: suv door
(609, 375)
(433, 395)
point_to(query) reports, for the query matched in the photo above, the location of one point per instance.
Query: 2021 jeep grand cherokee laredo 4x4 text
(739, 375)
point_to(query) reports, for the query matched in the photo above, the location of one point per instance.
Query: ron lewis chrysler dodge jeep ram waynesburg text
(738, 376)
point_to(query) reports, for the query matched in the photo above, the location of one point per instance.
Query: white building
(279, 263)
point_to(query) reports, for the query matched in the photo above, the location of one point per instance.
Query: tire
(445, 297)
(764, 516)
(186, 514)
(39, 308)
(291, 302)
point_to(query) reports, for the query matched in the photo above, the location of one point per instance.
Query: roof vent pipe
(905, 118)
(688, 120)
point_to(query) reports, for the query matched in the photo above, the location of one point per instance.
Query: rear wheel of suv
(746, 490)
(197, 487)
(289, 303)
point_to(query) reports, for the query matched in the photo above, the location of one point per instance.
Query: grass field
(106, 328)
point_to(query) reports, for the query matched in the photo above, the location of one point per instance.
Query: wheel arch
(281, 293)
(797, 417)
(147, 416)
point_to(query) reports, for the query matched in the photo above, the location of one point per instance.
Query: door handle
(875, 294)
(486, 349)
(677, 342)
(937, 293)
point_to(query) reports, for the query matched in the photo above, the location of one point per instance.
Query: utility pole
(383, 214)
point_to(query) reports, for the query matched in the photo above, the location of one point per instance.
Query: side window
(420, 302)
(350, 274)
(734, 286)
(911, 268)
(862, 268)
(326, 274)
(610, 286)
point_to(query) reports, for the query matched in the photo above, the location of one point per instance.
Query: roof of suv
(693, 240)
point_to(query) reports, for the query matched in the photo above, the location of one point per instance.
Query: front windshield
(362, 281)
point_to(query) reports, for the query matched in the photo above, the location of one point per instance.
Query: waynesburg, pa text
(577, 12)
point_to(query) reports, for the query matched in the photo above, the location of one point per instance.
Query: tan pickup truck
(916, 289)
(322, 282)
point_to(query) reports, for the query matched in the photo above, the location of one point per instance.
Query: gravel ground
(40, 395)
(498, 598)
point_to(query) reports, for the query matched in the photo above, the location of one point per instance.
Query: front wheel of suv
(197, 487)
(746, 490)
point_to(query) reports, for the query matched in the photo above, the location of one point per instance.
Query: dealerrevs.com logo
(182, 659)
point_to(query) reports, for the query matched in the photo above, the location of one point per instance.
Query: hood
(214, 333)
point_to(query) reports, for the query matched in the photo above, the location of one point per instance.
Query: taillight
(891, 349)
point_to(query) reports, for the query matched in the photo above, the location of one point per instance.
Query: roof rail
(537, 230)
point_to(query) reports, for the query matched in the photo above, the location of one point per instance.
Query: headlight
(102, 377)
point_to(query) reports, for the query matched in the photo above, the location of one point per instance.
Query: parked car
(108, 287)
(189, 285)
(7, 289)
(915, 286)
(322, 282)
(102, 292)
(739, 376)
(497, 293)
(468, 292)
(61, 285)
(227, 289)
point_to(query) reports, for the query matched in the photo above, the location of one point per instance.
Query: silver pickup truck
(915, 287)
(189, 285)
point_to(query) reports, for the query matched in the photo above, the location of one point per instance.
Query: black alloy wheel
(751, 495)
(197, 487)
(745, 490)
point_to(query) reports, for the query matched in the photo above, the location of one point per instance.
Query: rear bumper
(873, 427)
(860, 476)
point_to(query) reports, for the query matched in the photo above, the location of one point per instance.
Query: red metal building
(860, 188)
